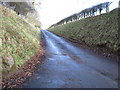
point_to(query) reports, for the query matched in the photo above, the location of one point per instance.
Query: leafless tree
(86, 13)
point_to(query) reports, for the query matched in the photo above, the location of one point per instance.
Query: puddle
(117, 79)
(37, 77)
(77, 59)
(49, 55)
(47, 82)
(63, 64)
(104, 73)
(71, 79)
(65, 54)
(51, 59)
(60, 63)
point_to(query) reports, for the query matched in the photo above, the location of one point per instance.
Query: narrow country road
(69, 66)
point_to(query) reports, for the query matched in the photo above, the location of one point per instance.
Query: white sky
(52, 11)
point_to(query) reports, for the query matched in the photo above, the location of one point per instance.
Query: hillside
(19, 41)
(97, 32)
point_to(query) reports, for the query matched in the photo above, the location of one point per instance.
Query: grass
(100, 31)
(17, 37)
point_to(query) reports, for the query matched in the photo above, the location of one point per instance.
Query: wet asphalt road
(70, 66)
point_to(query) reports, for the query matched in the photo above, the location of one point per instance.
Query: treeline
(26, 10)
(88, 12)
(20, 7)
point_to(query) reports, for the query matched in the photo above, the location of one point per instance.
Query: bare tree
(86, 13)
(100, 8)
(106, 6)
(20, 7)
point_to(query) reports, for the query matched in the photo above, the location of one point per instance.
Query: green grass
(95, 31)
(17, 37)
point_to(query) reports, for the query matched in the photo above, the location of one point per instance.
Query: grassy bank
(97, 32)
(18, 40)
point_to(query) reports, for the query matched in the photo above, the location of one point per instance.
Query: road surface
(70, 66)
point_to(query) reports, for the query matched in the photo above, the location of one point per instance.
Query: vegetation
(19, 41)
(20, 7)
(33, 20)
(25, 10)
(88, 12)
(99, 31)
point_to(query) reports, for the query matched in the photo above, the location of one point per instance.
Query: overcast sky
(53, 11)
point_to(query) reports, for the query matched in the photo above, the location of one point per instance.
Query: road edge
(94, 50)
(26, 71)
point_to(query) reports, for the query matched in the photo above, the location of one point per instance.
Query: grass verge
(19, 41)
(98, 32)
